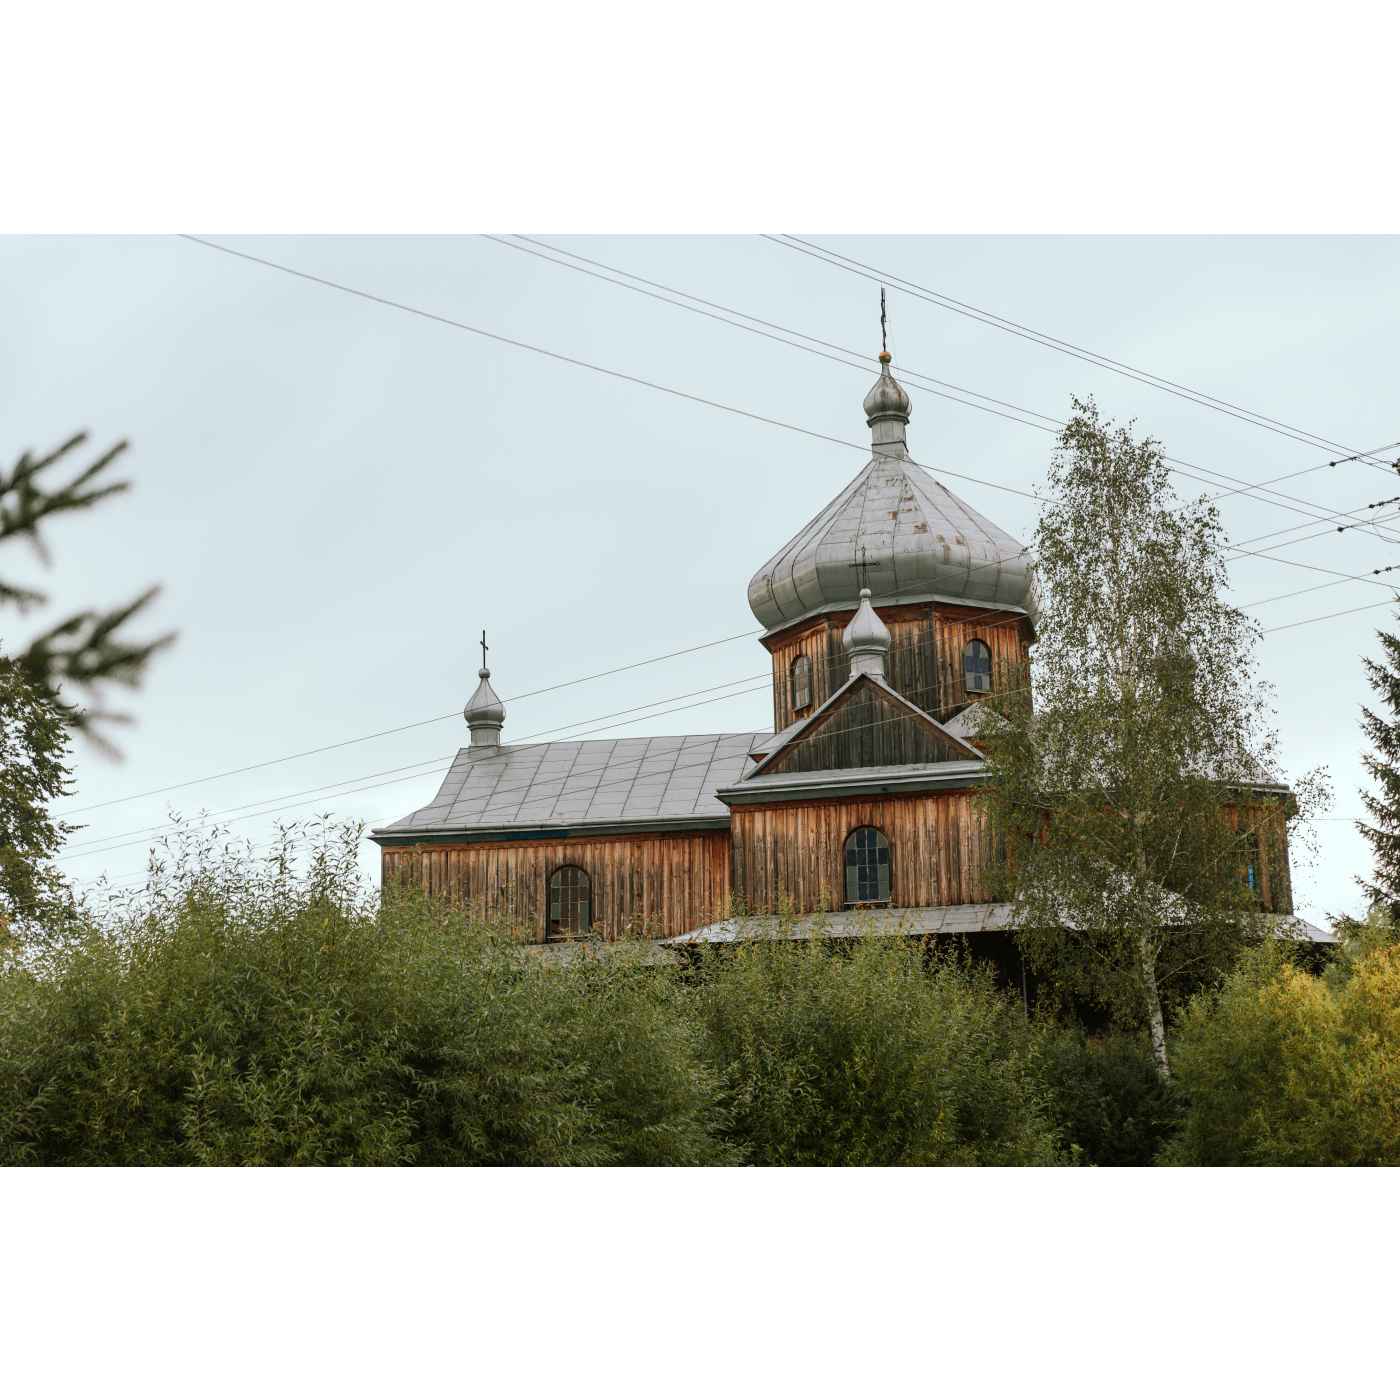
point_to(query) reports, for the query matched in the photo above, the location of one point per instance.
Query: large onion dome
(919, 542)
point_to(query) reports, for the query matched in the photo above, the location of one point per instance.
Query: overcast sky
(338, 496)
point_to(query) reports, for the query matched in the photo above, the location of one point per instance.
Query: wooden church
(886, 618)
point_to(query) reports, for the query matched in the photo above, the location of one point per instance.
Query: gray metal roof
(933, 919)
(922, 543)
(854, 923)
(585, 782)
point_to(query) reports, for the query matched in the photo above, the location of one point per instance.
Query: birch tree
(1135, 794)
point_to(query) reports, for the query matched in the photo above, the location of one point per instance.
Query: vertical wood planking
(674, 881)
(925, 660)
(797, 849)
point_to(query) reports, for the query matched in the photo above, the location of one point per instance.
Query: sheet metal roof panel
(919, 538)
(586, 780)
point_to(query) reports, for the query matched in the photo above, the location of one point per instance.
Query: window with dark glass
(800, 675)
(1253, 871)
(867, 867)
(977, 669)
(569, 912)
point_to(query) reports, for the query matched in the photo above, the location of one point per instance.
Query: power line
(1053, 343)
(769, 679)
(582, 364)
(710, 402)
(417, 724)
(1380, 603)
(369, 787)
(907, 374)
(325, 787)
(856, 359)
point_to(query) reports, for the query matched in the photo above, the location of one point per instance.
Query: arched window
(977, 669)
(867, 867)
(800, 676)
(569, 911)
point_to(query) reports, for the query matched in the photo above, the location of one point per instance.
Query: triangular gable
(865, 724)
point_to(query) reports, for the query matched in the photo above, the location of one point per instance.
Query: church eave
(855, 782)
(896, 600)
(459, 835)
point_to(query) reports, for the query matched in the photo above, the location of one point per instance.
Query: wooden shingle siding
(939, 853)
(661, 884)
(925, 659)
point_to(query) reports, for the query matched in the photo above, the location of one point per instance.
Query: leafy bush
(240, 1012)
(864, 1054)
(1282, 1068)
(1107, 1094)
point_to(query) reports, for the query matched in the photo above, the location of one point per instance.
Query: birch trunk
(1154, 1008)
(1156, 1026)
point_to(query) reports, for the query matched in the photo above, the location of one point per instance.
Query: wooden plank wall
(939, 854)
(865, 729)
(1271, 825)
(1005, 636)
(925, 660)
(670, 883)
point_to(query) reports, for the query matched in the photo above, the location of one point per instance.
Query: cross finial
(484, 648)
(862, 565)
(884, 349)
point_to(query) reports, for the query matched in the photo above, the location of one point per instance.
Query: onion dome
(866, 639)
(919, 542)
(485, 714)
(887, 410)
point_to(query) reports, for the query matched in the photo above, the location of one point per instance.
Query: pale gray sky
(338, 496)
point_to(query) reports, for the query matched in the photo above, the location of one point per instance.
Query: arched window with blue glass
(977, 668)
(867, 867)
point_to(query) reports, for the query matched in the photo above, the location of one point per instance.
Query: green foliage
(270, 1011)
(1106, 1093)
(1383, 766)
(33, 772)
(1282, 1068)
(85, 650)
(867, 1055)
(240, 1012)
(1117, 792)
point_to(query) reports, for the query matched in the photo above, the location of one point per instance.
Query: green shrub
(240, 1012)
(1108, 1097)
(869, 1053)
(1282, 1068)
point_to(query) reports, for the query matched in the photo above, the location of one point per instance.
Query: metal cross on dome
(484, 648)
(862, 565)
(884, 349)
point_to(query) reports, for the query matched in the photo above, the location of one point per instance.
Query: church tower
(954, 590)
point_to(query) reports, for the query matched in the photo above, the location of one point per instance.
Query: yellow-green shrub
(1282, 1068)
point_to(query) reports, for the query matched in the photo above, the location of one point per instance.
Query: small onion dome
(886, 400)
(866, 639)
(485, 714)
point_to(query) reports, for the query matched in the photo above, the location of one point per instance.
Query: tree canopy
(1134, 793)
